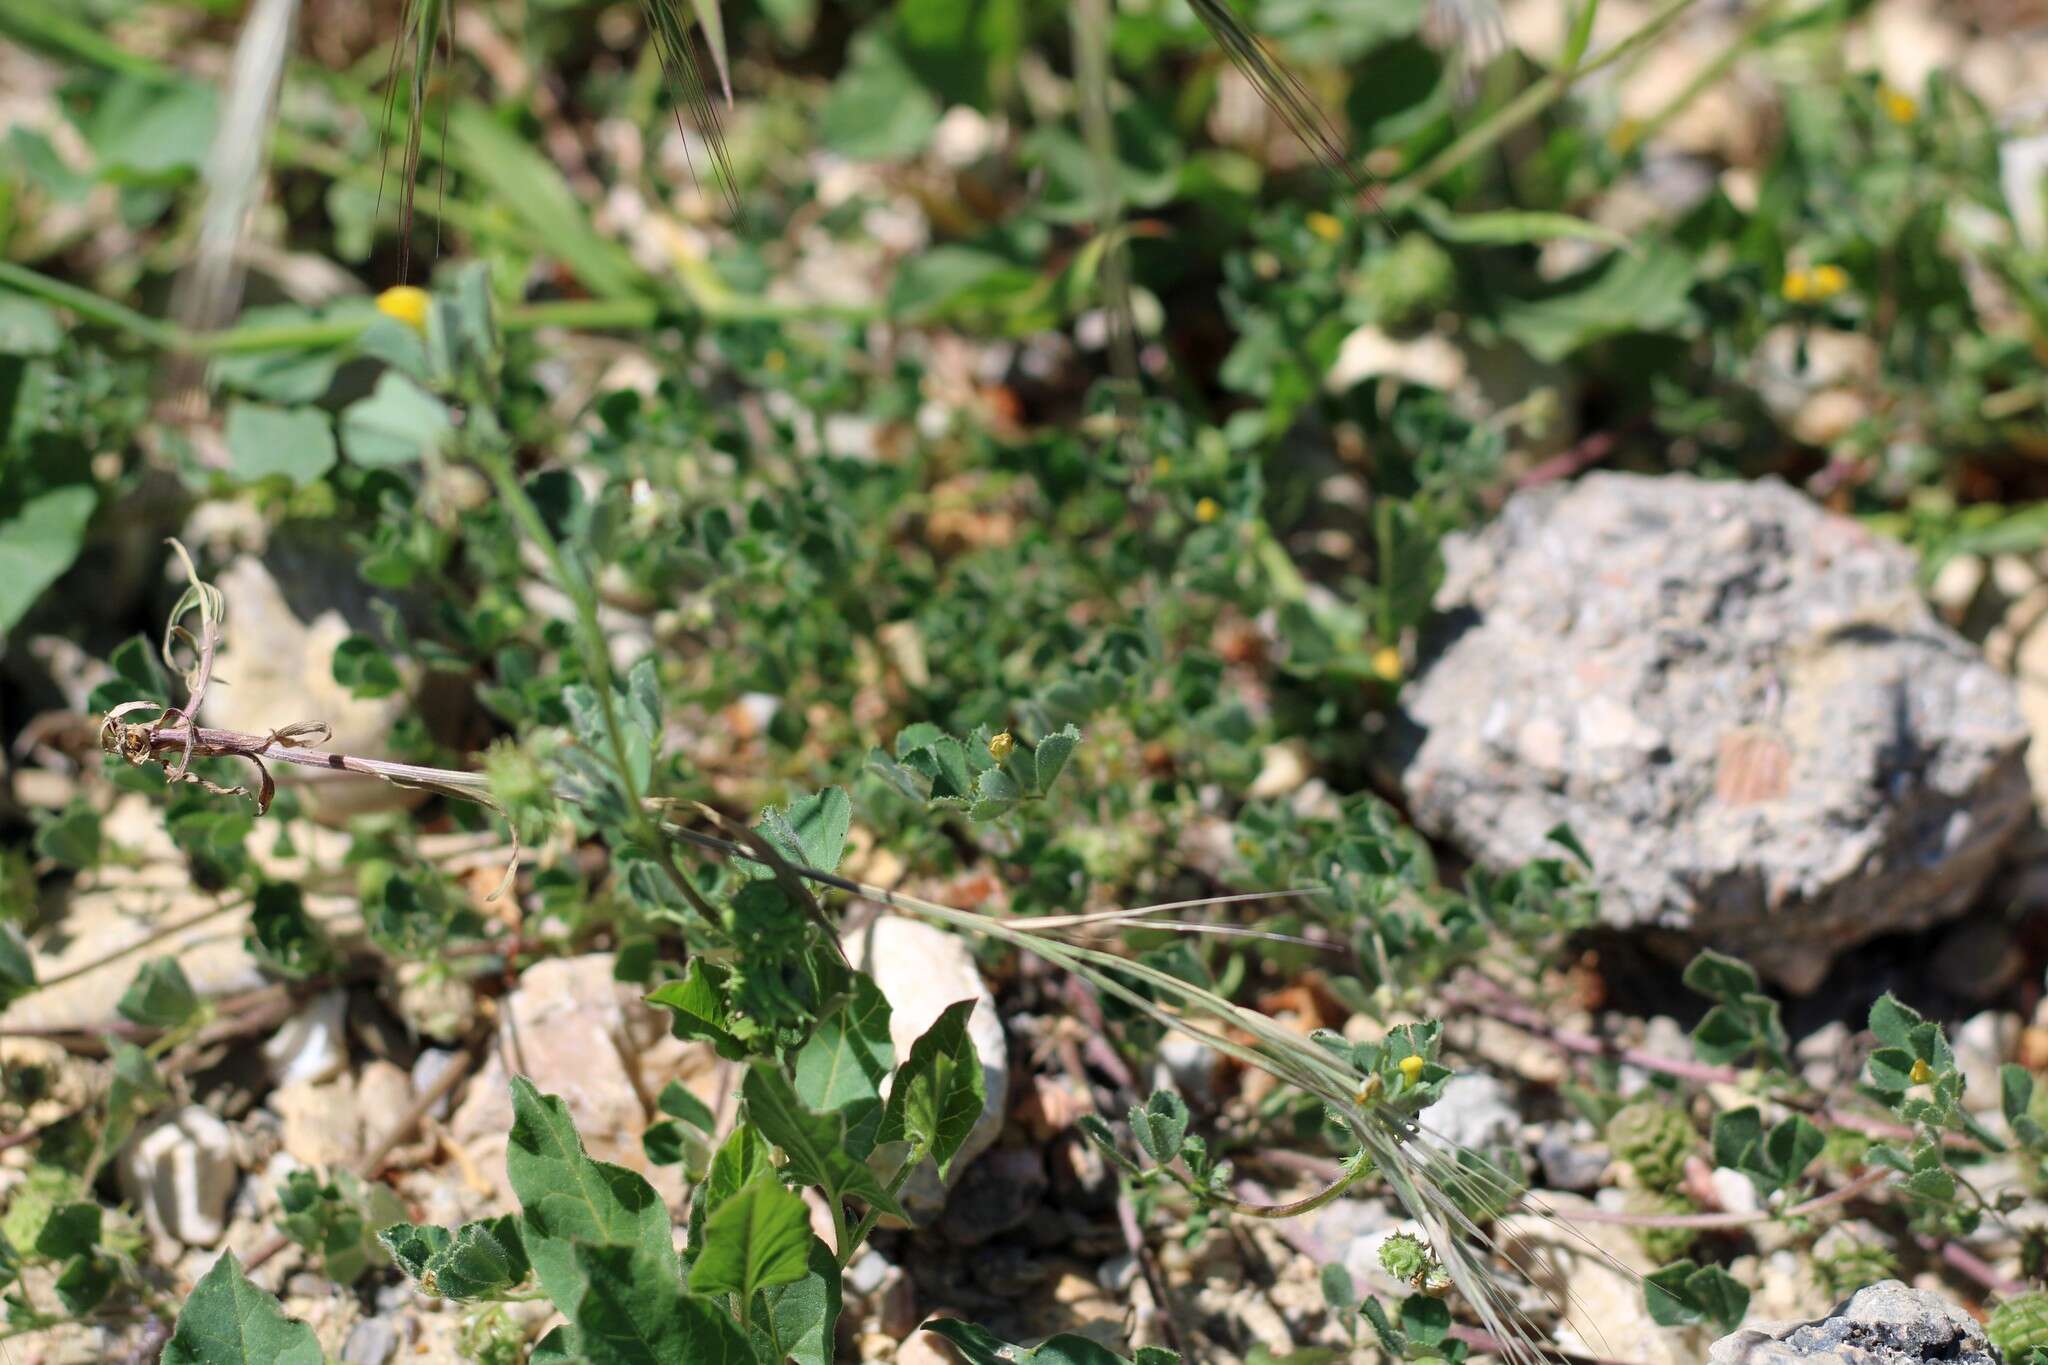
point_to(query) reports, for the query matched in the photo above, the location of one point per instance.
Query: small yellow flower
(407, 303)
(1921, 1073)
(1326, 226)
(1898, 106)
(1207, 510)
(1411, 1069)
(1001, 747)
(1161, 467)
(1828, 281)
(1796, 287)
(1386, 662)
(1624, 135)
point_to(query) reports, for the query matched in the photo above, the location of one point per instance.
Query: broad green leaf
(759, 1237)
(677, 1101)
(152, 131)
(1426, 1320)
(1159, 1125)
(292, 374)
(1893, 1023)
(841, 1066)
(479, 1259)
(85, 1282)
(262, 441)
(72, 839)
(159, 997)
(361, 665)
(799, 1317)
(812, 831)
(699, 1010)
(959, 50)
(627, 1309)
(1720, 977)
(17, 966)
(564, 1194)
(1683, 1293)
(952, 280)
(229, 1321)
(1792, 1146)
(70, 1230)
(1052, 754)
(1737, 1136)
(1643, 292)
(995, 795)
(877, 110)
(38, 543)
(815, 1144)
(939, 1091)
(399, 423)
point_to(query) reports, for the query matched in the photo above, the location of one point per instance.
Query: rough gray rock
(1881, 1324)
(1737, 701)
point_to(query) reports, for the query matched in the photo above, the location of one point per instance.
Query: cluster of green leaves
(1376, 881)
(985, 775)
(1421, 1325)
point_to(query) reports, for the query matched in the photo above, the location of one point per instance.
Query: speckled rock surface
(1738, 702)
(1881, 1324)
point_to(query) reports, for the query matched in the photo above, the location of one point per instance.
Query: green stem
(872, 1216)
(641, 826)
(1523, 108)
(164, 336)
(1763, 17)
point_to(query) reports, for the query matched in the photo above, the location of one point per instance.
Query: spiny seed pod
(1408, 1259)
(1654, 1139)
(2019, 1324)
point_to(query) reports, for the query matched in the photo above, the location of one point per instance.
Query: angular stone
(180, 1171)
(1771, 746)
(570, 1029)
(1881, 1324)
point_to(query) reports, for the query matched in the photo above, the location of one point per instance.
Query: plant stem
(1762, 17)
(1523, 108)
(641, 825)
(872, 1216)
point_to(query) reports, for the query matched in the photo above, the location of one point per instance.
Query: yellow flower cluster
(1813, 286)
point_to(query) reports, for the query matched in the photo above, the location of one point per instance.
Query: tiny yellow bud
(1411, 1068)
(1795, 286)
(1207, 510)
(1828, 281)
(1001, 747)
(1326, 226)
(1369, 1090)
(1921, 1073)
(775, 361)
(1899, 106)
(1161, 467)
(407, 303)
(1624, 135)
(1386, 661)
